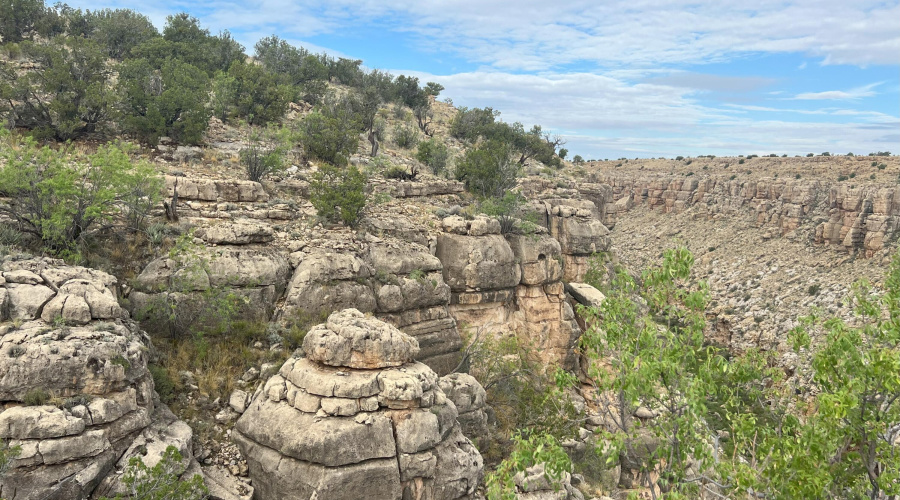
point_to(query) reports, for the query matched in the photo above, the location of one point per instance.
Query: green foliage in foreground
(161, 482)
(435, 154)
(60, 197)
(735, 425)
(529, 450)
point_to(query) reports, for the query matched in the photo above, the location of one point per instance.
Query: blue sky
(632, 78)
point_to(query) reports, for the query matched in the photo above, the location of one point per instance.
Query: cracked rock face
(75, 391)
(358, 418)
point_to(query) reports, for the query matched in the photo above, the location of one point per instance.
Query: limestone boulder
(351, 339)
(585, 294)
(539, 256)
(469, 397)
(477, 262)
(260, 276)
(356, 419)
(535, 484)
(241, 233)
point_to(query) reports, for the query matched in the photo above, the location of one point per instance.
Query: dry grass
(217, 361)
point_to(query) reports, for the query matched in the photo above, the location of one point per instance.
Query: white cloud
(603, 117)
(534, 35)
(856, 93)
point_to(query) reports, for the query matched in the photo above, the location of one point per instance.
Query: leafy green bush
(338, 193)
(188, 304)
(161, 482)
(405, 135)
(530, 449)
(60, 198)
(433, 153)
(470, 124)
(19, 19)
(258, 95)
(120, 30)
(331, 133)
(169, 102)
(67, 97)
(260, 162)
(36, 397)
(489, 170)
(162, 382)
(7, 455)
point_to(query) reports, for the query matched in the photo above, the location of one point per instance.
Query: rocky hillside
(368, 401)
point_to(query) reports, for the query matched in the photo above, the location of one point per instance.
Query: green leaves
(530, 449)
(59, 198)
(161, 482)
(339, 193)
(170, 101)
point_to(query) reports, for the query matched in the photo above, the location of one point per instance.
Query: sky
(618, 78)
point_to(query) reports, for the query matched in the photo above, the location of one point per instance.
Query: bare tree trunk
(172, 209)
(374, 141)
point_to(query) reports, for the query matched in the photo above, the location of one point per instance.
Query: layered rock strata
(75, 392)
(401, 282)
(357, 418)
(852, 217)
(259, 275)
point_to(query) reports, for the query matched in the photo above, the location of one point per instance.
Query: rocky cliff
(75, 392)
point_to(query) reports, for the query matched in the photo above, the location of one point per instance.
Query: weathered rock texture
(514, 283)
(535, 484)
(317, 430)
(855, 217)
(82, 366)
(470, 399)
(401, 282)
(258, 275)
(216, 190)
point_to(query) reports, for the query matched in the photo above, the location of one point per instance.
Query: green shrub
(339, 193)
(161, 482)
(36, 397)
(433, 153)
(257, 94)
(19, 19)
(68, 97)
(7, 455)
(170, 101)
(331, 133)
(187, 305)
(162, 382)
(60, 198)
(489, 170)
(470, 124)
(120, 30)
(260, 162)
(405, 135)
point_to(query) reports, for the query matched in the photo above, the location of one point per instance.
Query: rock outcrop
(75, 391)
(535, 484)
(401, 282)
(470, 399)
(357, 418)
(260, 276)
(862, 217)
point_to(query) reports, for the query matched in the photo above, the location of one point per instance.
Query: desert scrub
(339, 193)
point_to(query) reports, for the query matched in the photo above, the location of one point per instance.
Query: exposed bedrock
(357, 418)
(75, 391)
